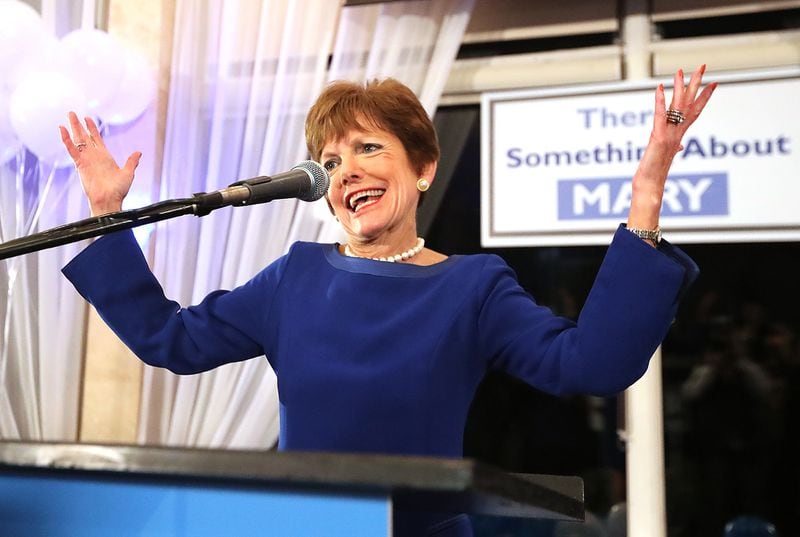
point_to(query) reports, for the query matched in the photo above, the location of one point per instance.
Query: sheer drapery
(414, 42)
(42, 319)
(41, 316)
(237, 107)
(243, 76)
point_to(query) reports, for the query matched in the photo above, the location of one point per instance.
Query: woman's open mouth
(364, 198)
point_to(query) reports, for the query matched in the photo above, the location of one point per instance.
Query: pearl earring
(423, 184)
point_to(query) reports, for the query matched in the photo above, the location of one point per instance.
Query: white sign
(557, 164)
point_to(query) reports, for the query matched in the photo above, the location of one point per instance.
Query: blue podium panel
(35, 505)
(54, 489)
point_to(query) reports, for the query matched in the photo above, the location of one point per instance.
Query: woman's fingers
(79, 134)
(700, 103)
(685, 99)
(83, 135)
(683, 96)
(694, 83)
(677, 92)
(660, 115)
(132, 163)
(67, 140)
(79, 140)
(94, 133)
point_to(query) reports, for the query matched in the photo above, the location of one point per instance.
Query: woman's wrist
(104, 208)
(648, 235)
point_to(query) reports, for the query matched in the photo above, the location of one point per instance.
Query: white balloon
(95, 61)
(135, 93)
(20, 27)
(38, 106)
(40, 54)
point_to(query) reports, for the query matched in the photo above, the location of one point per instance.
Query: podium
(93, 490)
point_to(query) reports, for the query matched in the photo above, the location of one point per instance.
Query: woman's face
(373, 185)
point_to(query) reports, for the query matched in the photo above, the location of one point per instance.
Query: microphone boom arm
(307, 181)
(111, 222)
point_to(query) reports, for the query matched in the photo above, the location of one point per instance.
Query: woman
(383, 356)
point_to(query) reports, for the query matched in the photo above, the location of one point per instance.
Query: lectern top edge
(415, 482)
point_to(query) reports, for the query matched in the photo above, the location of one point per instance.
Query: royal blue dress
(385, 358)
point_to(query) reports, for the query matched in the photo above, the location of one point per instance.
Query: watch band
(647, 234)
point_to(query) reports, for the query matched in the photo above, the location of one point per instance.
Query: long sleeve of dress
(386, 357)
(319, 316)
(227, 326)
(625, 317)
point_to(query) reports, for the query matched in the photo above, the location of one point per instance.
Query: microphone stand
(199, 205)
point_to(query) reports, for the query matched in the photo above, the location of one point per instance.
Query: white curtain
(414, 42)
(243, 77)
(42, 319)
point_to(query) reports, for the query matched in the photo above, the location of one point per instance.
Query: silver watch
(647, 234)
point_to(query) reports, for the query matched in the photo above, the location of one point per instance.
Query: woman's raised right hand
(104, 182)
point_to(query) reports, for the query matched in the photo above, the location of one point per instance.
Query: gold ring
(675, 117)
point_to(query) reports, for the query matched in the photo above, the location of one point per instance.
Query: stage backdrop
(557, 163)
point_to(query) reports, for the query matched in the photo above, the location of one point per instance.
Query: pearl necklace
(403, 256)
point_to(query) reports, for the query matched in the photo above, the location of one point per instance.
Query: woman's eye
(329, 165)
(369, 148)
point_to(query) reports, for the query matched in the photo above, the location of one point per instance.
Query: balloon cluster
(42, 78)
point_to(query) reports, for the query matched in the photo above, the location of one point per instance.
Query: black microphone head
(319, 180)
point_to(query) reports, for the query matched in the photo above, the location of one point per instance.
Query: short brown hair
(385, 104)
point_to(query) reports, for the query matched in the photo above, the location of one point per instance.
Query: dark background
(731, 443)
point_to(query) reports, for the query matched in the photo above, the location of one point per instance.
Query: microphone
(308, 181)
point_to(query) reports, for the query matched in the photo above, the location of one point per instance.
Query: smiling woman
(380, 148)
(385, 357)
